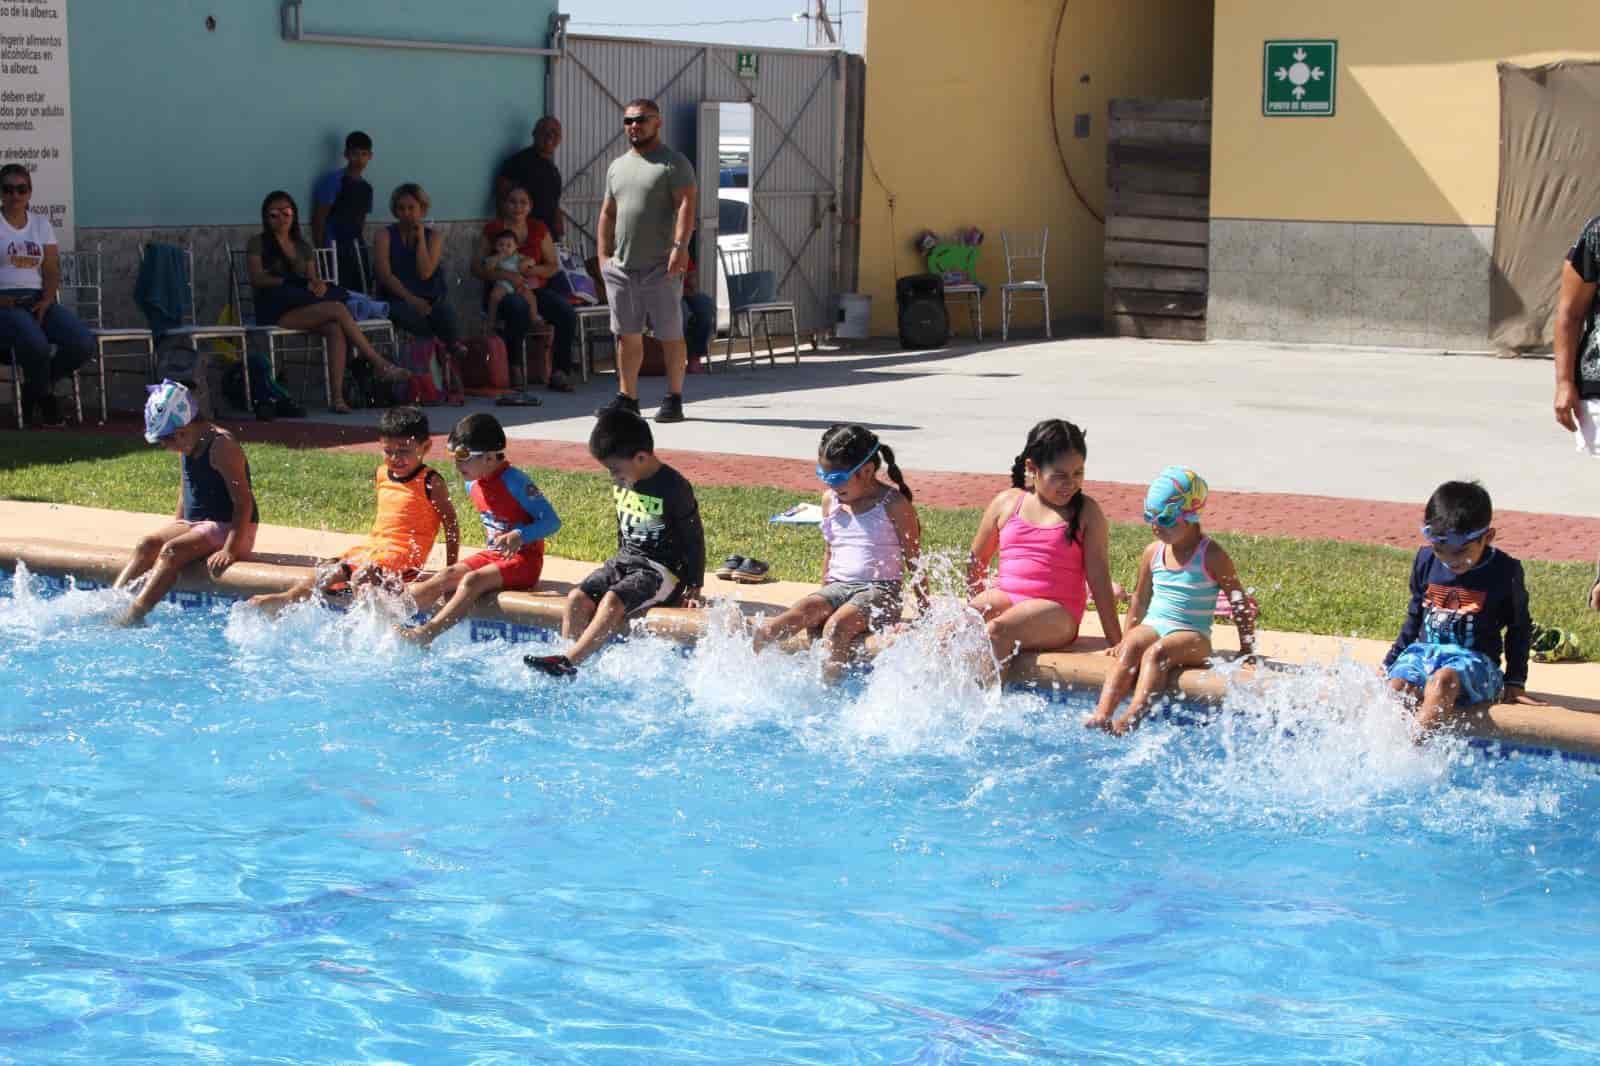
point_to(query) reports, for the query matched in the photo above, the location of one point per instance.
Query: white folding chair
(738, 263)
(1024, 275)
(81, 294)
(381, 330)
(972, 294)
(189, 327)
(288, 342)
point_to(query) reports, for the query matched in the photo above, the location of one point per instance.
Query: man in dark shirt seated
(534, 168)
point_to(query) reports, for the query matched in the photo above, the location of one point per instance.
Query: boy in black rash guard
(661, 545)
(1464, 593)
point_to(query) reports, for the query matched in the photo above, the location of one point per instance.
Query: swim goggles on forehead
(1168, 516)
(836, 479)
(1451, 540)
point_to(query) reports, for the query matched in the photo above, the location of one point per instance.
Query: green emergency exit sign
(1298, 78)
(748, 64)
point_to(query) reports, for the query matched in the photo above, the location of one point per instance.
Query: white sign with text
(36, 105)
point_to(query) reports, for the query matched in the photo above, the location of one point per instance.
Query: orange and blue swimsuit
(404, 528)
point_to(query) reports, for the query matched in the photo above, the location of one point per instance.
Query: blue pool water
(233, 841)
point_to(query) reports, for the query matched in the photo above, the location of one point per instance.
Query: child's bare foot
(417, 635)
(270, 602)
(1121, 727)
(1097, 721)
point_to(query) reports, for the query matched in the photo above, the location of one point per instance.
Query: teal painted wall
(175, 125)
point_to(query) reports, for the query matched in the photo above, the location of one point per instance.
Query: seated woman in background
(539, 263)
(408, 259)
(30, 318)
(289, 293)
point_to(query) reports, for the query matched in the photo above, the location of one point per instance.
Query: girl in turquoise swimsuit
(1169, 623)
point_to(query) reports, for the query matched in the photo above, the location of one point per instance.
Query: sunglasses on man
(16, 190)
(637, 120)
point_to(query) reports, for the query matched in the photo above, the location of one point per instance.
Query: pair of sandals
(746, 570)
(388, 373)
(1552, 644)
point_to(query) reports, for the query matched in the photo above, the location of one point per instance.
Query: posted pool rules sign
(1298, 78)
(36, 105)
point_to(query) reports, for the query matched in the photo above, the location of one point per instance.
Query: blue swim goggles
(1170, 514)
(836, 479)
(1452, 540)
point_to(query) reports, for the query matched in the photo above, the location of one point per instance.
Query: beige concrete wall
(958, 126)
(1416, 135)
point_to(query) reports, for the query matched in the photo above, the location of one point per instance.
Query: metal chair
(189, 327)
(972, 293)
(1024, 275)
(380, 329)
(80, 293)
(738, 263)
(278, 339)
(15, 382)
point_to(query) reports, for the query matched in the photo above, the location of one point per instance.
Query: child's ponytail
(1047, 441)
(887, 454)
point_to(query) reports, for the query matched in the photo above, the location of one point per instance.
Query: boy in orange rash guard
(413, 503)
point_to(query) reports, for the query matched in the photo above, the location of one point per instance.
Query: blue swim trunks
(1481, 679)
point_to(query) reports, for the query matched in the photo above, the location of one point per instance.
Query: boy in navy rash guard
(1464, 594)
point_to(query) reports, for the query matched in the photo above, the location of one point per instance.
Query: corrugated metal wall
(797, 159)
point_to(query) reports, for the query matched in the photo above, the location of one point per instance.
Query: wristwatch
(680, 245)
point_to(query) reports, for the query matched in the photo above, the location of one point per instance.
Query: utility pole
(825, 23)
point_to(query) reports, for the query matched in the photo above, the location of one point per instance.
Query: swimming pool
(234, 840)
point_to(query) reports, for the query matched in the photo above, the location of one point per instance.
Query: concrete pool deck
(93, 543)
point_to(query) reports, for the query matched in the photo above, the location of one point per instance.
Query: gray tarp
(1549, 187)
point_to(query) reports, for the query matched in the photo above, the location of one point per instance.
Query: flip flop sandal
(750, 572)
(1551, 644)
(729, 565)
(519, 399)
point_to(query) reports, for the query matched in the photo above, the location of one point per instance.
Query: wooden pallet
(1158, 169)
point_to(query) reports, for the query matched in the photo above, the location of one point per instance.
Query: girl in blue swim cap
(217, 514)
(1169, 623)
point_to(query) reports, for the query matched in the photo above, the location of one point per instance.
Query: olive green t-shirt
(642, 186)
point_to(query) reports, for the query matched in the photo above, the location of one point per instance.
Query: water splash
(27, 614)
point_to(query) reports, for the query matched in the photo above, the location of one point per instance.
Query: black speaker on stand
(924, 322)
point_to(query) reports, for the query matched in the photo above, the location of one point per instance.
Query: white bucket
(855, 317)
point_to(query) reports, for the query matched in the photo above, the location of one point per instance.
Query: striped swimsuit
(1184, 598)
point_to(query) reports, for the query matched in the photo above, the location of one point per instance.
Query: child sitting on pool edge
(413, 503)
(1464, 593)
(516, 520)
(871, 537)
(661, 545)
(1169, 622)
(217, 513)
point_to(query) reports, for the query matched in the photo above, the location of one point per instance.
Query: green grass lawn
(1310, 586)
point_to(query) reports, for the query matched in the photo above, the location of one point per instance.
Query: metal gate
(797, 156)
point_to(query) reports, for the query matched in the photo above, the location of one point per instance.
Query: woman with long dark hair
(290, 293)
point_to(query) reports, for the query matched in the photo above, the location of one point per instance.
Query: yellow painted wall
(957, 123)
(1416, 133)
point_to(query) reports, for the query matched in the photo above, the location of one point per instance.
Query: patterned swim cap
(166, 410)
(1176, 493)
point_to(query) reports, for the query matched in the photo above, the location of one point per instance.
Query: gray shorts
(878, 600)
(641, 297)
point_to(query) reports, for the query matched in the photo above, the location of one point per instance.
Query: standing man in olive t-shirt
(643, 246)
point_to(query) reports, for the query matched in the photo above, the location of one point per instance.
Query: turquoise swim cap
(1176, 493)
(166, 410)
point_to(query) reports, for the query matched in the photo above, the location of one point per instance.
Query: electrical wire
(1055, 127)
(799, 16)
(894, 254)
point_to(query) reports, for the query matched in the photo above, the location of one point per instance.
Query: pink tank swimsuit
(1040, 563)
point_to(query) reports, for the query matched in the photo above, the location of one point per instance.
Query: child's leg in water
(1122, 674)
(1156, 670)
(174, 555)
(1438, 698)
(842, 630)
(326, 572)
(431, 590)
(808, 613)
(148, 550)
(475, 584)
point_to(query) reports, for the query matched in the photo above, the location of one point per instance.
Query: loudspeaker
(924, 322)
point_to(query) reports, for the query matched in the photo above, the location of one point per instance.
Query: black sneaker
(266, 411)
(289, 409)
(671, 409)
(50, 412)
(554, 665)
(619, 402)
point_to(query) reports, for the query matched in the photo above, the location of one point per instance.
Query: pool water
(233, 840)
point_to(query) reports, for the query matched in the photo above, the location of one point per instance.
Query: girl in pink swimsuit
(1054, 549)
